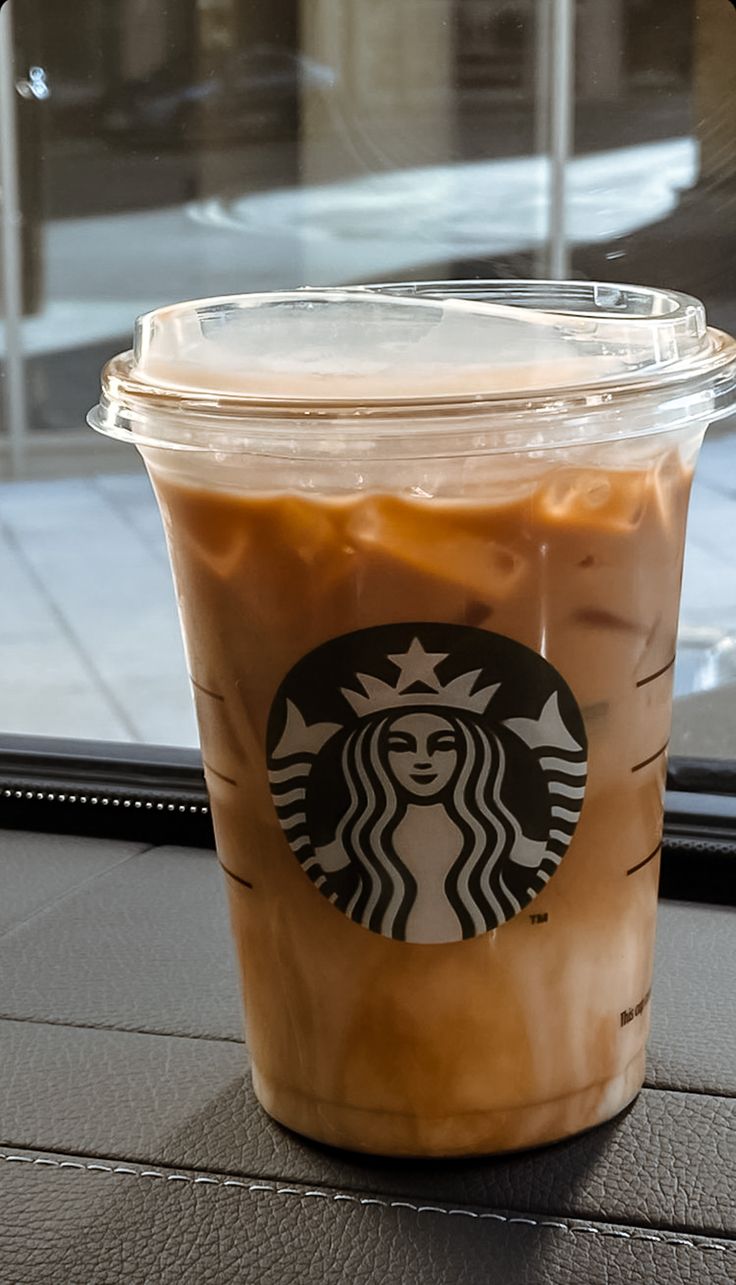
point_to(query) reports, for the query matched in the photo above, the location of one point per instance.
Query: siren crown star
(418, 668)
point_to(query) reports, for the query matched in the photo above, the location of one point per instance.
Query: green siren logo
(427, 777)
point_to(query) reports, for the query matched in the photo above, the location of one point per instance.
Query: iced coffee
(431, 634)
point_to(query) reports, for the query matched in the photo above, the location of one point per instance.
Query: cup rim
(697, 384)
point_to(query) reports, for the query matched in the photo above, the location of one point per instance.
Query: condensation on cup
(427, 544)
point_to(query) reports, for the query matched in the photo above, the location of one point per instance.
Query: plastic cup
(427, 543)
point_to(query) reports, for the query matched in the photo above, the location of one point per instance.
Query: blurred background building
(146, 134)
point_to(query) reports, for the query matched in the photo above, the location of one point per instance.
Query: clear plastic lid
(512, 363)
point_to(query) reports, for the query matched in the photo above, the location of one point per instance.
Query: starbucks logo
(427, 777)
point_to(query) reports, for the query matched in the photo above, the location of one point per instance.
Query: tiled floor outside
(89, 639)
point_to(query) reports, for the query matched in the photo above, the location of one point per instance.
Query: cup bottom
(474, 1133)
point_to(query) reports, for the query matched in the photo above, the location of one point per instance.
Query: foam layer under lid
(323, 346)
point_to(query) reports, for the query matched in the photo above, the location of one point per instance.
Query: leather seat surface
(132, 1148)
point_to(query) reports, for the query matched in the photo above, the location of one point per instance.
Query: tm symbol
(539, 919)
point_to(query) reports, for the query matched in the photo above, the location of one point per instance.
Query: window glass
(150, 153)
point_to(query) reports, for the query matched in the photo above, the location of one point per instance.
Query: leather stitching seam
(344, 1197)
